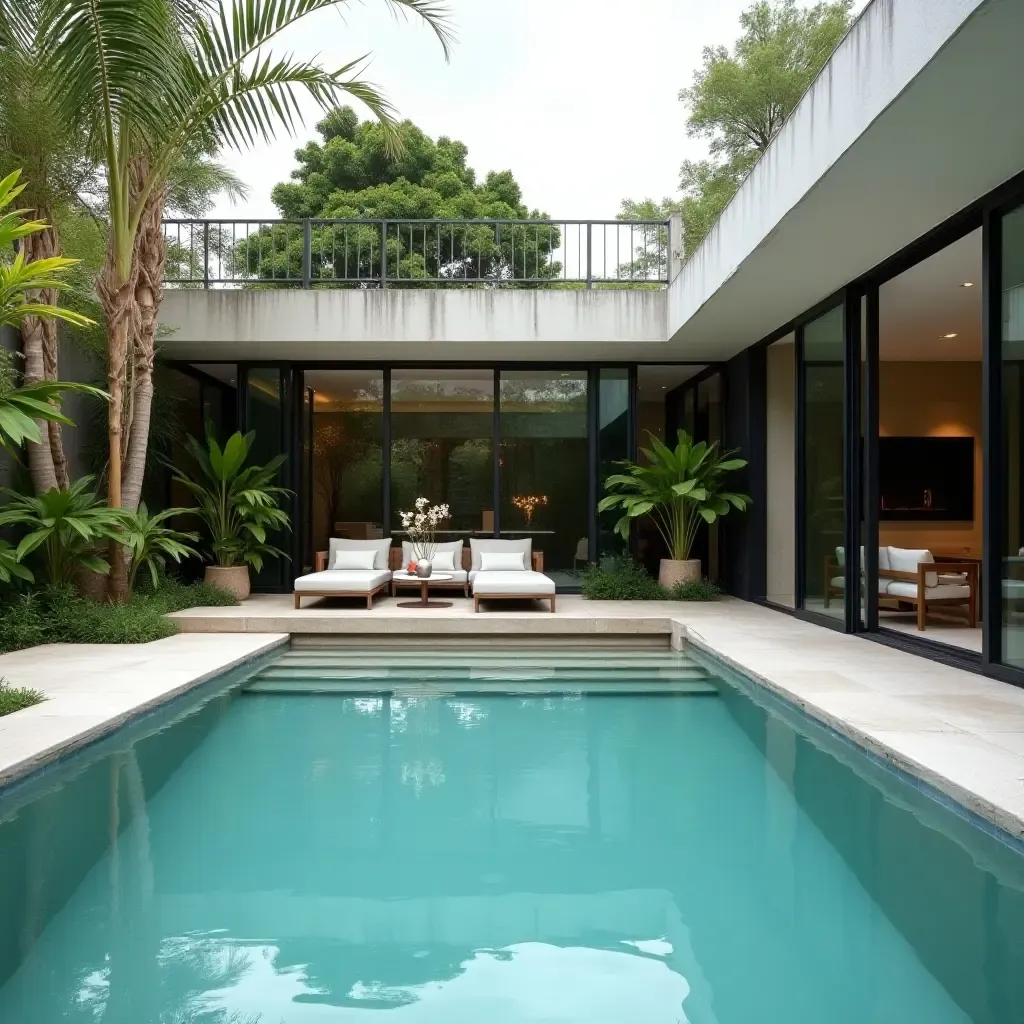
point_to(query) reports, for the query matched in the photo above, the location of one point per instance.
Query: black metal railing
(416, 253)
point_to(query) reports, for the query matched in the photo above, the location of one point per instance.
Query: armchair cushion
(517, 581)
(342, 581)
(479, 544)
(907, 559)
(379, 547)
(940, 592)
(454, 546)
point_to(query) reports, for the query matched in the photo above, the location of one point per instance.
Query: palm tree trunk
(39, 343)
(151, 258)
(117, 297)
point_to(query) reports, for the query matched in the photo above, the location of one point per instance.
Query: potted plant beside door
(679, 488)
(238, 504)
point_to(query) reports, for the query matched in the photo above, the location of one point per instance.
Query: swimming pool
(497, 836)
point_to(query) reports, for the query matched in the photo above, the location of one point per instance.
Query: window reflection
(543, 462)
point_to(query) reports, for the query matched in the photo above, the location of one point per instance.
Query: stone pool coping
(92, 689)
(961, 733)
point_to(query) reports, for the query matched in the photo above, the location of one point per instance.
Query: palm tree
(160, 77)
(52, 154)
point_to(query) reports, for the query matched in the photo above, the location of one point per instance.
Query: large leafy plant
(679, 488)
(237, 503)
(21, 281)
(65, 525)
(150, 542)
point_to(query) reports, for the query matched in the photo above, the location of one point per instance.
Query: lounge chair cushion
(453, 546)
(521, 581)
(907, 559)
(380, 547)
(883, 558)
(479, 544)
(502, 561)
(353, 560)
(342, 581)
(904, 588)
(839, 582)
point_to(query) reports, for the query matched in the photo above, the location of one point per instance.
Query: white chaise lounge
(349, 568)
(498, 572)
(908, 576)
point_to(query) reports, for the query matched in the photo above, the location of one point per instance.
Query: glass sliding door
(347, 456)
(1011, 543)
(544, 463)
(265, 415)
(442, 426)
(822, 558)
(612, 448)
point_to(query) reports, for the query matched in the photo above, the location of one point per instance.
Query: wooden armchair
(911, 588)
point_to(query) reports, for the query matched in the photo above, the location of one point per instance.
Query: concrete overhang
(427, 324)
(915, 117)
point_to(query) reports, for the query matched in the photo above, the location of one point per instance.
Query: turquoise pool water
(609, 838)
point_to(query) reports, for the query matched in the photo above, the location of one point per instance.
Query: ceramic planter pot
(231, 577)
(673, 571)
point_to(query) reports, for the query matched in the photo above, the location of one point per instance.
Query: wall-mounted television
(929, 478)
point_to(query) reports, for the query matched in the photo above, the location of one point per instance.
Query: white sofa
(339, 575)
(504, 570)
(911, 576)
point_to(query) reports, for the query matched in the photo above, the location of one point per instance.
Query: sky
(579, 98)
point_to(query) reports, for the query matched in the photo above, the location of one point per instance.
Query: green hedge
(57, 615)
(624, 580)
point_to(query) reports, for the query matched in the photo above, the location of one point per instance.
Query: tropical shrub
(65, 526)
(696, 590)
(621, 580)
(150, 542)
(58, 615)
(238, 504)
(678, 487)
(14, 698)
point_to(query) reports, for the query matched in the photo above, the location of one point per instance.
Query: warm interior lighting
(967, 284)
(953, 335)
(526, 503)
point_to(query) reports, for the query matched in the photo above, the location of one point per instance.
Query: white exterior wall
(445, 324)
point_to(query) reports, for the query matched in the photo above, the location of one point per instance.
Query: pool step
(449, 688)
(420, 671)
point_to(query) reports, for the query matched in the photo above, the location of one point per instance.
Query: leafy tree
(160, 79)
(354, 173)
(739, 100)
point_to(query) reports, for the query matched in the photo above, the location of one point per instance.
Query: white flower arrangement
(421, 526)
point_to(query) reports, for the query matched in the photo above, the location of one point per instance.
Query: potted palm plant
(238, 504)
(679, 488)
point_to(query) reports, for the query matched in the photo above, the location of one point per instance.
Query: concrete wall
(908, 123)
(453, 324)
(933, 400)
(780, 445)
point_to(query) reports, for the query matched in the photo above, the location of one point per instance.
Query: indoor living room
(929, 458)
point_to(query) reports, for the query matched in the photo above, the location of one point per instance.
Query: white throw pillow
(443, 561)
(502, 561)
(362, 560)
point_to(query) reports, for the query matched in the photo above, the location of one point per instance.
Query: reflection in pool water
(495, 858)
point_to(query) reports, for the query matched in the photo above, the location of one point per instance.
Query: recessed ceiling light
(967, 284)
(664, 386)
(953, 335)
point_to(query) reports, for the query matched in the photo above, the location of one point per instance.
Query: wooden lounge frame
(919, 602)
(321, 565)
(537, 564)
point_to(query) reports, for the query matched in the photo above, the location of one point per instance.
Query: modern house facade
(854, 324)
